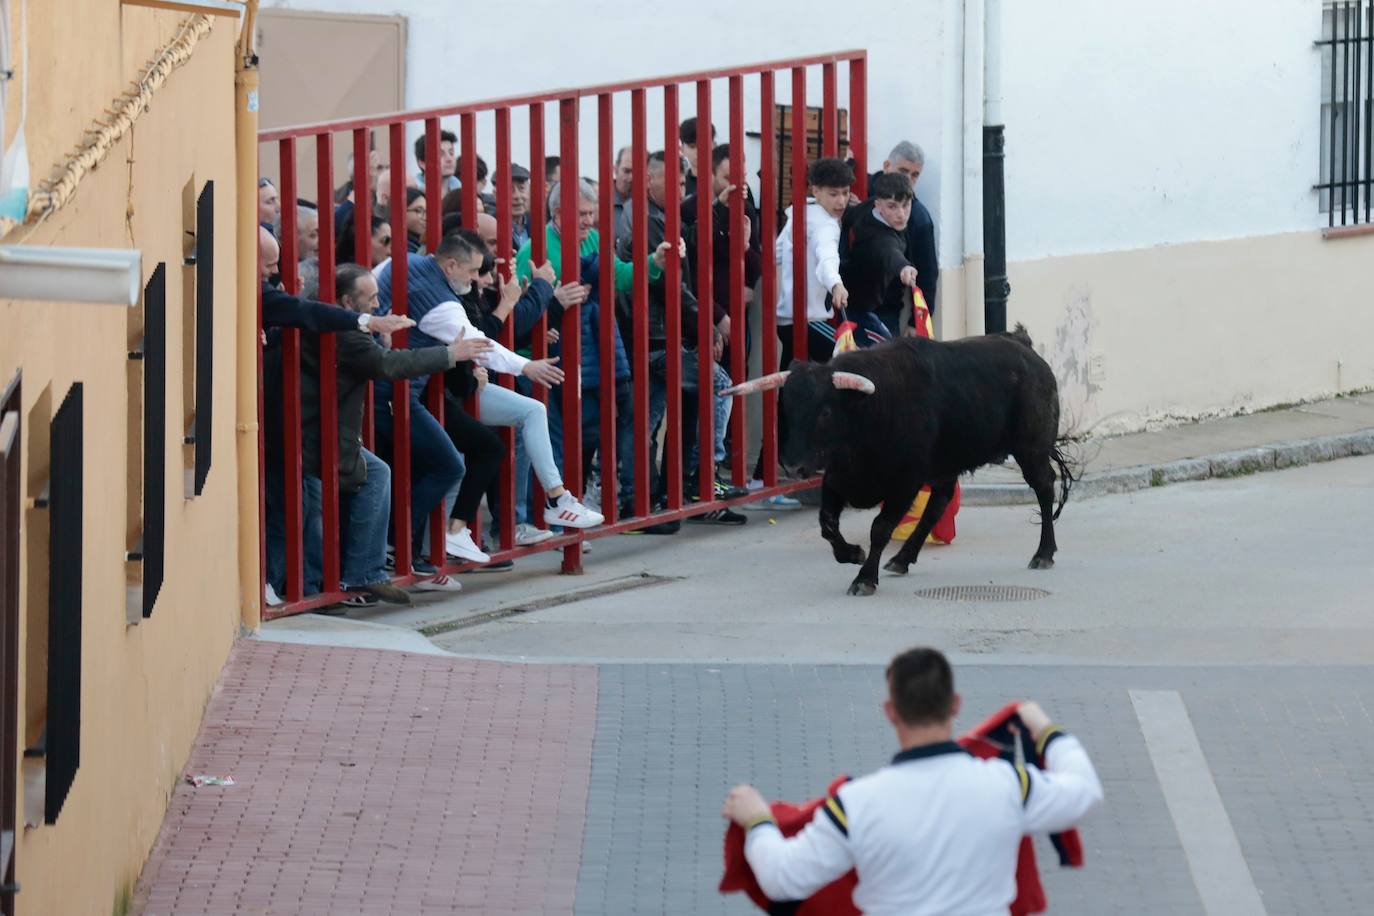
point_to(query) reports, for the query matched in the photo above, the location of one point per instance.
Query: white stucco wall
(1130, 125)
(512, 48)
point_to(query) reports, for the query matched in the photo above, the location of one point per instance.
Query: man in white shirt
(938, 830)
(829, 181)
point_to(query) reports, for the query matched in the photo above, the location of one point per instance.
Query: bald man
(280, 309)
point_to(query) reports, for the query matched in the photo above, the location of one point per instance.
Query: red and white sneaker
(439, 583)
(569, 513)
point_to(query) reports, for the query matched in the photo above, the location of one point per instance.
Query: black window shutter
(64, 603)
(205, 331)
(154, 435)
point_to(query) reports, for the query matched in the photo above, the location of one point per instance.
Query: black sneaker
(721, 517)
(422, 567)
(669, 527)
(496, 566)
(726, 491)
(359, 600)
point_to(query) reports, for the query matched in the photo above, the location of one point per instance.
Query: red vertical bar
(467, 133)
(739, 237)
(362, 198)
(672, 298)
(328, 383)
(434, 385)
(291, 383)
(605, 203)
(362, 240)
(539, 253)
(639, 256)
(830, 111)
(768, 291)
(799, 188)
(858, 122)
(506, 267)
(400, 388)
(571, 335)
(706, 449)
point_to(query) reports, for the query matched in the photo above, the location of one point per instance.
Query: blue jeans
(658, 401)
(275, 497)
(365, 518)
(591, 432)
(435, 465)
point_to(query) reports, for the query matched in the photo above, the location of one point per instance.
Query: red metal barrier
(570, 332)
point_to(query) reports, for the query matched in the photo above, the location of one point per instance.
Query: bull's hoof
(862, 589)
(850, 553)
(1041, 563)
(895, 565)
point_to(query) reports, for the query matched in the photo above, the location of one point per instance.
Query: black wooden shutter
(64, 603)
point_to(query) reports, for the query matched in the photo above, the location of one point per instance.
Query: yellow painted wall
(144, 687)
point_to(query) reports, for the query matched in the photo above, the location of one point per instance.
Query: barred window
(1347, 47)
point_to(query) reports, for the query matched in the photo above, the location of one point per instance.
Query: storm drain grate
(982, 593)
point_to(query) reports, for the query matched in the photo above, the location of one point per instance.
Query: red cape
(989, 739)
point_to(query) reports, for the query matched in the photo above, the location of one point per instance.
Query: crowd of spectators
(863, 257)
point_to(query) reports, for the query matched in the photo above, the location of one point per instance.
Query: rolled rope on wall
(55, 193)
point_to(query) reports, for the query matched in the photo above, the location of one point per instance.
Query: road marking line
(1218, 866)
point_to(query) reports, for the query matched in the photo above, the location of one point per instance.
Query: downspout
(996, 288)
(973, 167)
(247, 354)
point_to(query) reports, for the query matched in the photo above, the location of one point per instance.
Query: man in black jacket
(875, 267)
(907, 160)
(280, 310)
(364, 479)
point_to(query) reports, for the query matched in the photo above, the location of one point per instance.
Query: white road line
(1209, 841)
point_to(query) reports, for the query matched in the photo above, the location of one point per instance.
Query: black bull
(881, 423)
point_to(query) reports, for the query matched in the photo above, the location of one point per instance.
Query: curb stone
(1237, 463)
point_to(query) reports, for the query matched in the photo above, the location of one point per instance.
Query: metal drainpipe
(996, 289)
(246, 334)
(973, 167)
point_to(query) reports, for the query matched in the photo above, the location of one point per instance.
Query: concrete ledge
(1242, 461)
(1238, 463)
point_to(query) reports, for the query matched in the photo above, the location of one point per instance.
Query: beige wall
(144, 687)
(1176, 332)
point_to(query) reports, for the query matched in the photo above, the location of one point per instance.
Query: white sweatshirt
(822, 263)
(448, 322)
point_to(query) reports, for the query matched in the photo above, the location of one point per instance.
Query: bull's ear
(763, 383)
(852, 381)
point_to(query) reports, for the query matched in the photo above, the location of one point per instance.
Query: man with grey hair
(622, 183)
(908, 160)
(307, 231)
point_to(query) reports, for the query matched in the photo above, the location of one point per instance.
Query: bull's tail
(1070, 469)
(1021, 335)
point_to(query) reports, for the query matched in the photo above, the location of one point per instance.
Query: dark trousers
(483, 451)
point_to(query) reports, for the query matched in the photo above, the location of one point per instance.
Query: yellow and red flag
(943, 532)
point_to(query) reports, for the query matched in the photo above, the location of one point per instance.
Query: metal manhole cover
(982, 593)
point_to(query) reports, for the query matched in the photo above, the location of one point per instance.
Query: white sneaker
(528, 535)
(460, 546)
(569, 513)
(439, 583)
(270, 595)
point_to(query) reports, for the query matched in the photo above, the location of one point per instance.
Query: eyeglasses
(384, 241)
(416, 210)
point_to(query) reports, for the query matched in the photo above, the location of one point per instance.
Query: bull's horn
(853, 382)
(763, 383)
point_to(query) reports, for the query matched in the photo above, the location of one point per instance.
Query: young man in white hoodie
(829, 181)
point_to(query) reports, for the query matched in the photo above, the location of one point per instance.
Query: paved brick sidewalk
(375, 782)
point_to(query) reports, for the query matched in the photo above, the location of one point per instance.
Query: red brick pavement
(374, 782)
